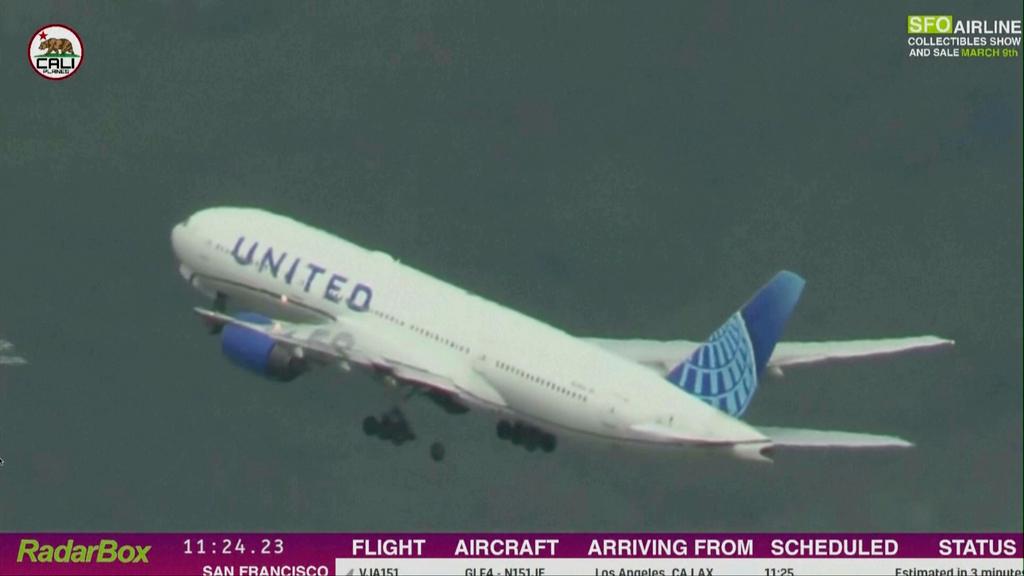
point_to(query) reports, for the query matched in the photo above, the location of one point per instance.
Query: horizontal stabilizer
(801, 438)
(661, 356)
(797, 353)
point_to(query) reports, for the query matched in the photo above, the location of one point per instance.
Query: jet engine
(258, 352)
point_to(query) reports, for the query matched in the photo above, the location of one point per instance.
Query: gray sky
(614, 169)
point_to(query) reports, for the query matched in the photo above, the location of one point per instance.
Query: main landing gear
(527, 436)
(393, 427)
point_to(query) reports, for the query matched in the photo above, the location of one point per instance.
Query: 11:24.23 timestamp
(226, 546)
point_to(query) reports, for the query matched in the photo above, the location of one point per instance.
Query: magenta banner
(320, 554)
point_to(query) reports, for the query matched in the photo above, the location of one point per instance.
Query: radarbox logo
(106, 552)
(56, 52)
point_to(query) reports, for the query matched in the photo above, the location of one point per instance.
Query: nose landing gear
(220, 304)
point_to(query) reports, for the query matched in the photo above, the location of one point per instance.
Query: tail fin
(723, 371)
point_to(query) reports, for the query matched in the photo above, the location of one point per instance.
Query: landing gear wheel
(387, 427)
(437, 451)
(518, 434)
(391, 427)
(526, 436)
(548, 443)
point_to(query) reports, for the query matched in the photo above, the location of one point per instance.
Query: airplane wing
(662, 356)
(797, 353)
(351, 342)
(788, 437)
(775, 437)
(800, 438)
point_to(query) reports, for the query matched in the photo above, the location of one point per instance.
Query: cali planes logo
(56, 52)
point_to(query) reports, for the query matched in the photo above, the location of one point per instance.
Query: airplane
(7, 355)
(302, 297)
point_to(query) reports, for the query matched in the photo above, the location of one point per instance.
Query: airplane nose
(183, 244)
(178, 234)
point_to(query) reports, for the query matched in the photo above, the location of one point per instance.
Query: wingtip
(939, 341)
(891, 442)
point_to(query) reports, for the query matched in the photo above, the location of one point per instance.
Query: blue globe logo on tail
(724, 370)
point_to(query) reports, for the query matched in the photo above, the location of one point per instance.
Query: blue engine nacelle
(258, 352)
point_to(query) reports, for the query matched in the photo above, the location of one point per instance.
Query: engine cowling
(258, 352)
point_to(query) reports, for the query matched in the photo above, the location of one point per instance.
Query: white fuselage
(275, 265)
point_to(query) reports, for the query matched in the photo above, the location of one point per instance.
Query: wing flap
(329, 344)
(660, 433)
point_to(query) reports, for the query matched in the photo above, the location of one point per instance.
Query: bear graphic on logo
(55, 51)
(56, 46)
